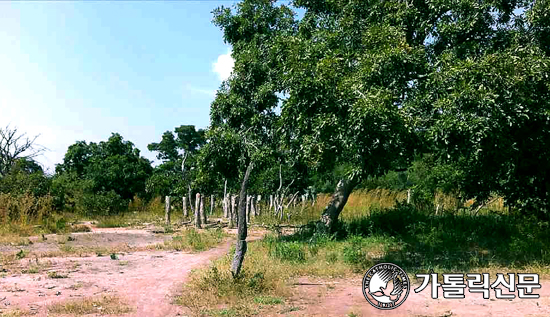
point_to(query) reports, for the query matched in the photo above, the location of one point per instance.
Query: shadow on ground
(420, 241)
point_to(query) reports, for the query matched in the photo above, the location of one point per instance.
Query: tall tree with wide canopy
(362, 80)
(112, 165)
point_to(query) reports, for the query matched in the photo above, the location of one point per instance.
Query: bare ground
(344, 297)
(147, 282)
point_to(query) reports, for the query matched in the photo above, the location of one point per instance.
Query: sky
(81, 70)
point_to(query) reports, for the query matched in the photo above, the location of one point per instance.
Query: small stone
(57, 293)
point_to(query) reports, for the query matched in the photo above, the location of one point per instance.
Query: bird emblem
(389, 286)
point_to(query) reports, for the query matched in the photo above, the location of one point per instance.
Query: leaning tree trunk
(329, 218)
(197, 211)
(241, 247)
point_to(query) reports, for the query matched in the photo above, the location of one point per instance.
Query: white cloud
(224, 65)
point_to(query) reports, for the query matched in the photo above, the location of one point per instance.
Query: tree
(167, 178)
(339, 107)
(16, 146)
(110, 172)
(365, 85)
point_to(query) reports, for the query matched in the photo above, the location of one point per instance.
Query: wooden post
(185, 211)
(167, 211)
(258, 205)
(247, 208)
(252, 206)
(231, 209)
(202, 213)
(197, 211)
(235, 205)
(191, 201)
(211, 204)
(225, 200)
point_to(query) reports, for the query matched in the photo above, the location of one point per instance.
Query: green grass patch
(192, 240)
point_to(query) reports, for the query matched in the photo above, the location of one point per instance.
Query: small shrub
(353, 252)
(268, 300)
(289, 251)
(21, 254)
(54, 274)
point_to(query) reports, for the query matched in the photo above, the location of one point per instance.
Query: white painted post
(211, 204)
(203, 214)
(167, 211)
(185, 211)
(197, 211)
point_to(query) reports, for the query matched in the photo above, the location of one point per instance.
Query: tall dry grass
(362, 202)
(24, 209)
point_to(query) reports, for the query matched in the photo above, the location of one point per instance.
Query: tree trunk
(202, 212)
(329, 218)
(241, 247)
(197, 211)
(185, 211)
(167, 211)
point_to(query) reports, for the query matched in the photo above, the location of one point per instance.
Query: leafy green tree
(168, 178)
(365, 85)
(112, 171)
(25, 176)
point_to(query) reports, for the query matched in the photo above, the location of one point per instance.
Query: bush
(288, 251)
(103, 203)
(24, 208)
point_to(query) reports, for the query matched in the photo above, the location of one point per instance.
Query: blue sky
(76, 70)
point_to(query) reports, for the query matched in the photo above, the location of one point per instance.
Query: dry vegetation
(376, 227)
(104, 305)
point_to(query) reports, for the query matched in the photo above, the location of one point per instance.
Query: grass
(415, 240)
(192, 240)
(105, 305)
(15, 313)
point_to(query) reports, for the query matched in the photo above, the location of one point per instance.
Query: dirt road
(145, 280)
